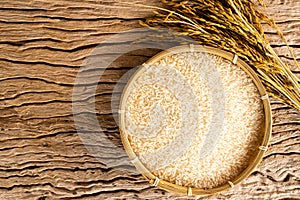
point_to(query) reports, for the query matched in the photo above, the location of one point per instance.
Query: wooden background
(42, 45)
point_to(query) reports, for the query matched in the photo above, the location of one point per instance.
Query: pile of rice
(238, 137)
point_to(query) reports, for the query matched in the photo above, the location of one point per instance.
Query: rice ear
(234, 26)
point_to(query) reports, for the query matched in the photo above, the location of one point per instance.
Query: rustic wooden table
(42, 45)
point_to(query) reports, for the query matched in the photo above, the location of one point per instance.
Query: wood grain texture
(42, 46)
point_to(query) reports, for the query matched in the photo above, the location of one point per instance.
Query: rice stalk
(234, 26)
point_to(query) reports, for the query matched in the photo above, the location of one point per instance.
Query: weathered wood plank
(42, 46)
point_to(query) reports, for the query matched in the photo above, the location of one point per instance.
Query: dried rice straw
(234, 26)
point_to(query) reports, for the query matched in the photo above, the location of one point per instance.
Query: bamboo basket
(255, 160)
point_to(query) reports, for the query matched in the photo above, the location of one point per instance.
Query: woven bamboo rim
(190, 191)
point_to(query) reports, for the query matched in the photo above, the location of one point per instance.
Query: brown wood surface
(42, 46)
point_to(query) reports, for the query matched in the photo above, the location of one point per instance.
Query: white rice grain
(238, 139)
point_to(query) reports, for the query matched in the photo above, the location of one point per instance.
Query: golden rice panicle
(234, 26)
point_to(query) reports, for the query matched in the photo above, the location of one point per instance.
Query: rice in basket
(194, 119)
